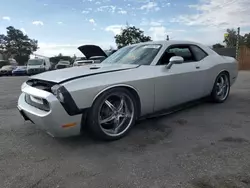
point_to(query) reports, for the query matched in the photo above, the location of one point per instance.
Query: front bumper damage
(53, 119)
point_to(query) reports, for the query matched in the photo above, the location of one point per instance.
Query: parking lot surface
(206, 146)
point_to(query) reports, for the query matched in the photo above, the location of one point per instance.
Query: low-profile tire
(221, 88)
(112, 114)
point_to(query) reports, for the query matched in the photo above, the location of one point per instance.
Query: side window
(198, 52)
(177, 50)
(182, 51)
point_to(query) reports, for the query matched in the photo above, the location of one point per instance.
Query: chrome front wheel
(116, 114)
(113, 114)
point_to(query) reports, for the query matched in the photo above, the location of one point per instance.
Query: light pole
(238, 43)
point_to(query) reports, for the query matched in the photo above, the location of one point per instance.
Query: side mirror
(175, 60)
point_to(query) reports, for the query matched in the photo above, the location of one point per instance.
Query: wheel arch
(130, 88)
(224, 70)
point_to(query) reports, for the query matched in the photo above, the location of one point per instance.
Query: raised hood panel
(91, 50)
(67, 74)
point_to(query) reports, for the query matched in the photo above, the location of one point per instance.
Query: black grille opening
(41, 84)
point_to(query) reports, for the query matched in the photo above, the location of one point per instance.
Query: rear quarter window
(198, 52)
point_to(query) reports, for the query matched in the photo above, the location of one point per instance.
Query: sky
(60, 26)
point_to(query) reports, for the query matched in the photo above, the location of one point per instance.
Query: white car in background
(62, 64)
(82, 62)
(38, 65)
(93, 54)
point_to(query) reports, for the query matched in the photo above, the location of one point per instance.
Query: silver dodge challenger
(135, 82)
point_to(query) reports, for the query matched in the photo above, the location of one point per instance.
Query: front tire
(112, 115)
(221, 88)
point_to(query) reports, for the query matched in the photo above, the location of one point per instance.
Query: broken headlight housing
(57, 90)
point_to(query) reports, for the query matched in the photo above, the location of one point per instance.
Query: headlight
(56, 90)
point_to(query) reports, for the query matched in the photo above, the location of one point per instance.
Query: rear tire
(221, 88)
(112, 114)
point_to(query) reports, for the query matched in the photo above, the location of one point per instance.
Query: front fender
(85, 90)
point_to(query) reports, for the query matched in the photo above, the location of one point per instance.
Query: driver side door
(179, 84)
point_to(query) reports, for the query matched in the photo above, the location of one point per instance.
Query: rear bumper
(19, 73)
(56, 121)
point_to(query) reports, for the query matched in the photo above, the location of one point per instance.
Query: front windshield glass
(35, 62)
(138, 54)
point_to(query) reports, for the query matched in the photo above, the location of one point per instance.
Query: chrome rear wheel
(221, 88)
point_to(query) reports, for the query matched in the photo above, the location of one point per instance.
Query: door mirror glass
(175, 60)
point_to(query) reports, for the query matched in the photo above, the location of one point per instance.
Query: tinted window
(198, 53)
(183, 52)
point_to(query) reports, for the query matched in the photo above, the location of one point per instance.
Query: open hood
(91, 50)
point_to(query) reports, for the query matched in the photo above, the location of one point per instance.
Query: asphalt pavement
(206, 146)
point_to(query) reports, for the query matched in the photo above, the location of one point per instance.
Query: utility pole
(238, 43)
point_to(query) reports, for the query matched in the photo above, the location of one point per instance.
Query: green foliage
(218, 45)
(130, 35)
(231, 40)
(73, 58)
(4, 62)
(247, 39)
(17, 44)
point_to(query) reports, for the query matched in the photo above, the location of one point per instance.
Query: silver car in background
(93, 54)
(137, 81)
(82, 62)
(62, 64)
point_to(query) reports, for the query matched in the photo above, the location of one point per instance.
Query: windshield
(35, 62)
(21, 67)
(64, 62)
(138, 54)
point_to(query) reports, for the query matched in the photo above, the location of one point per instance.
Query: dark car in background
(20, 71)
(7, 70)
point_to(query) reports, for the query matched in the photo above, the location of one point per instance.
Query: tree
(59, 57)
(130, 35)
(17, 44)
(73, 58)
(231, 39)
(218, 45)
(247, 40)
